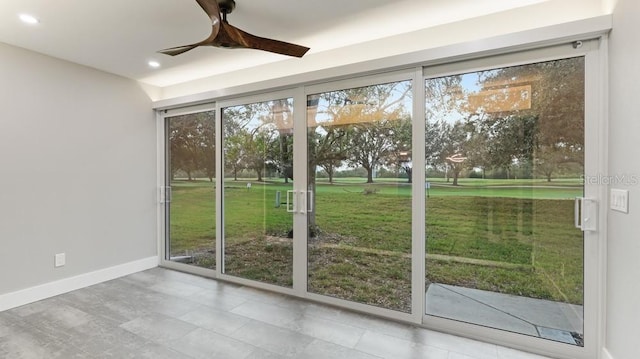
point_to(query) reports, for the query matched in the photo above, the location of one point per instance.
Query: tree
(234, 153)
(373, 143)
(256, 144)
(368, 115)
(208, 147)
(512, 141)
(259, 136)
(528, 117)
(281, 155)
(434, 143)
(547, 159)
(477, 146)
(445, 104)
(340, 121)
(453, 154)
(400, 155)
(554, 92)
(327, 148)
(280, 117)
(234, 121)
(192, 144)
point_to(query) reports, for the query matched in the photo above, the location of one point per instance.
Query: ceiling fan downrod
(226, 7)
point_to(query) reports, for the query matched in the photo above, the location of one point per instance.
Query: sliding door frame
(595, 163)
(164, 207)
(410, 74)
(595, 54)
(237, 101)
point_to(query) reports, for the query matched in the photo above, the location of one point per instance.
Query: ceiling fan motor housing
(226, 6)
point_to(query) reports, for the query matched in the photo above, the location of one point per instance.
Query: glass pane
(359, 244)
(191, 174)
(258, 162)
(505, 158)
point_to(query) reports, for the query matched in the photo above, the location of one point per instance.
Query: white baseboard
(606, 354)
(48, 290)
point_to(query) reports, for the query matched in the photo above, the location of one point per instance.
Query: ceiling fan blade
(277, 46)
(231, 36)
(178, 50)
(212, 9)
(225, 35)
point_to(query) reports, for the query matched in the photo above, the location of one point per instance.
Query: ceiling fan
(226, 35)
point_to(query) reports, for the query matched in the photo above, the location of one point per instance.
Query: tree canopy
(192, 145)
(521, 121)
(525, 121)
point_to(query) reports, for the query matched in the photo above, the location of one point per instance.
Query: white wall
(77, 170)
(623, 276)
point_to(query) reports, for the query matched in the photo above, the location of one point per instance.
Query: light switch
(619, 200)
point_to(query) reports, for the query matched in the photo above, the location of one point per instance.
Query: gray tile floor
(161, 313)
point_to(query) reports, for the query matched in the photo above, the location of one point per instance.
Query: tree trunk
(369, 175)
(409, 172)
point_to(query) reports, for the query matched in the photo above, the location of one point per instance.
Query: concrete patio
(541, 318)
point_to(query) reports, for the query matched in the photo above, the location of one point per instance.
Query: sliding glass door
(258, 180)
(190, 189)
(505, 159)
(459, 196)
(359, 170)
(356, 205)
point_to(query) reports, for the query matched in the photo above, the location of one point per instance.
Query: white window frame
(530, 46)
(161, 125)
(238, 101)
(410, 74)
(595, 150)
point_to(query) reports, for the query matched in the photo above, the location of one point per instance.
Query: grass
(374, 278)
(535, 233)
(193, 216)
(508, 236)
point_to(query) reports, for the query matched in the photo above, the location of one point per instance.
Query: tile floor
(161, 313)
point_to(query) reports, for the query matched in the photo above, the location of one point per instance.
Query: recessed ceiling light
(153, 64)
(29, 19)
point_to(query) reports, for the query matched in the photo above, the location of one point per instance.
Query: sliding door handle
(310, 199)
(585, 214)
(165, 194)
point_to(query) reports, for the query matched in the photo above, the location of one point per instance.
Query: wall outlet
(619, 200)
(60, 260)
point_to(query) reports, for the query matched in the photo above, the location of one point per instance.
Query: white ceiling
(121, 36)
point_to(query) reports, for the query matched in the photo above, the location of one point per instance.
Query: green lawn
(510, 236)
